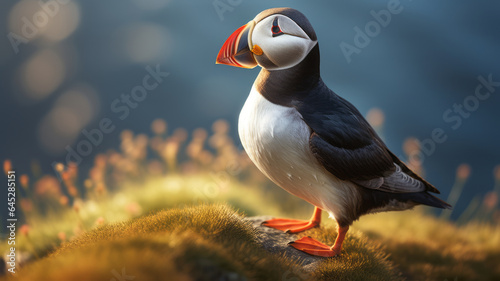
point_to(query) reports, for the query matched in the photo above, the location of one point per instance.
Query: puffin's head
(275, 39)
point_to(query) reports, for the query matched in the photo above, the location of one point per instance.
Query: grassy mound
(417, 244)
(214, 241)
(207, 242)
(426, 248)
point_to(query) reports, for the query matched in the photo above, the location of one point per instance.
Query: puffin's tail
(427, 199)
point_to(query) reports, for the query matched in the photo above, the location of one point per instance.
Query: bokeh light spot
(81, 99)
(70, 114)
(42, 74)
(58, 129)
(51, 19)
(64, 23)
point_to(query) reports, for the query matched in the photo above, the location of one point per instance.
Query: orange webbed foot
(290, 226)
(295, 226)
(314, 247)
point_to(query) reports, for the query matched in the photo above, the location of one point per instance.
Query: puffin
(310, 141)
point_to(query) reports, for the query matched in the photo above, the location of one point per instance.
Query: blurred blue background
(67, 73)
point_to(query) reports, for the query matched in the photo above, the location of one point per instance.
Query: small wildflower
(96, 174)
(63, 200)
(48, 186)
(497, 173)
(180, 135)
(100, 161)
(490, 200)
(26, 205)
(24, 229)
(24, 180)
(72, 190)
(411, 146)
(99, 221)
(170, 153)
(77, 206)
(59, 167)
(200, 133)
(88, 183)
(66, 177)
(100, 189)
(217, 141)
(114, 158)
(62, 236)
(141, 140)
(126, 135)
(463, 172)
(159, 126)
(375, 117)
(7, 166)
(73, 170)
(220, 127)
(134, 209)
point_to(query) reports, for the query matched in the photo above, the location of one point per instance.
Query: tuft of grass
(428, 248)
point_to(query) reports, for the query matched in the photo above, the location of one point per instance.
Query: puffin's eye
(276, 28)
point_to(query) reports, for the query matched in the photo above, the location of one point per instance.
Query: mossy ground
(209, 240)
(426, 248)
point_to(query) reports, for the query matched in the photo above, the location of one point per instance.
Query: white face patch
(285, 50)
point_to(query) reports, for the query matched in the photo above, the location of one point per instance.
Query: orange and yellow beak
(238, 50)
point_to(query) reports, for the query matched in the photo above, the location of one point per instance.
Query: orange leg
(316, 248)
(295, 226)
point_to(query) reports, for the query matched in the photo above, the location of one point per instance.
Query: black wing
(348, 147)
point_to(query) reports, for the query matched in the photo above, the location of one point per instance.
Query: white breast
(277, 140)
